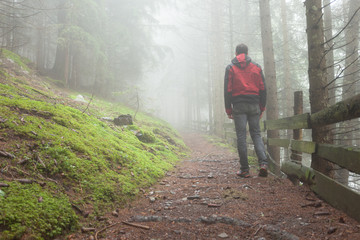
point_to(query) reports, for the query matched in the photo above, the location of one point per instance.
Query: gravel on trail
(202, 198)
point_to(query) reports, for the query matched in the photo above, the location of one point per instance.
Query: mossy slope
(70, 155)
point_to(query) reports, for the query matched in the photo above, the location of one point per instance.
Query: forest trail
(202, 198)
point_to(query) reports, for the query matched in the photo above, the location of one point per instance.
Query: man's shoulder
(228, 67)
(255, 64)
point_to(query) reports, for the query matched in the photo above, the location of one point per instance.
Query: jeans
(244, 113)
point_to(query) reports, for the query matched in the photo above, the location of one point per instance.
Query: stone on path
(223, 235)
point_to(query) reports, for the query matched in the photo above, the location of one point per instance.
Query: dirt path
(202, 198)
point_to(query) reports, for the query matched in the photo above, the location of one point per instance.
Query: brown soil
(202, 198)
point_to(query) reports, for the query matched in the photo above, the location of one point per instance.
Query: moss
(59, 83)
(146, 136)
(20, 61)
(44, 213)
(94, 163)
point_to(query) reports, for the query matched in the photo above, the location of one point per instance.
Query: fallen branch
(136, 225)
(84, 229)
(77, 208)
(321, 213)
(40, 161)
(52, 180)
(22, 171)
(6, 154)
(23, 161)
(103, 229)
(257, 231)
(214, 205)
(313, 204)
(25, 181)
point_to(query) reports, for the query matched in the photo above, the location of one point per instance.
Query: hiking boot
(243, 174)
(263, 172)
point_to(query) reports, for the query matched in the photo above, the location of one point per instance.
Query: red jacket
(244, 82)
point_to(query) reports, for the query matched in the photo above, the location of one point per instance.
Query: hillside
(62, 163)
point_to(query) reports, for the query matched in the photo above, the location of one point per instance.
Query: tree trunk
(288, 83)
(351, 74)
(231, 44)
(245, 22)
(217, 67)
(272, 111)
(342, 174)
(210, 92)
(317, 78)
(58, 70)
(40, 50)
(329, 49)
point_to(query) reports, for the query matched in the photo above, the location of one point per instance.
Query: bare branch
(347, 24)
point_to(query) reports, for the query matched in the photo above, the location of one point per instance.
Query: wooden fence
(338, 195)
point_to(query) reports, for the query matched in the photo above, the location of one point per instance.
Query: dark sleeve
(227, 90)
(262, 93)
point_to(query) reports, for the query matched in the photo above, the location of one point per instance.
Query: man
(245, 101)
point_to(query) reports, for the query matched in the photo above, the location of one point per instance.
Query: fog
(202, 35)
(170, 86)
(170, 56)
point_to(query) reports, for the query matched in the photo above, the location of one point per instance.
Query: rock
(107, 119)
(223, 235)
(123, 120)
(152, 199)
(80, 98)
(332, 230)
(147, 219)
(115, 213)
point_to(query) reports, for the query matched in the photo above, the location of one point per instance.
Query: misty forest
(113, 123)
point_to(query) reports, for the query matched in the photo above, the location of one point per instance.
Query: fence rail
(347, 157)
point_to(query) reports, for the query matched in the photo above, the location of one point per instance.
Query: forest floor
(202, 198)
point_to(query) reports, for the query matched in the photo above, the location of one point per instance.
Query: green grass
(94, 162)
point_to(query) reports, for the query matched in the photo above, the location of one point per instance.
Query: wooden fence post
(297, 133)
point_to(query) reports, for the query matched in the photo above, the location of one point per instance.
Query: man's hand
(261, 114)
(230, 116)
